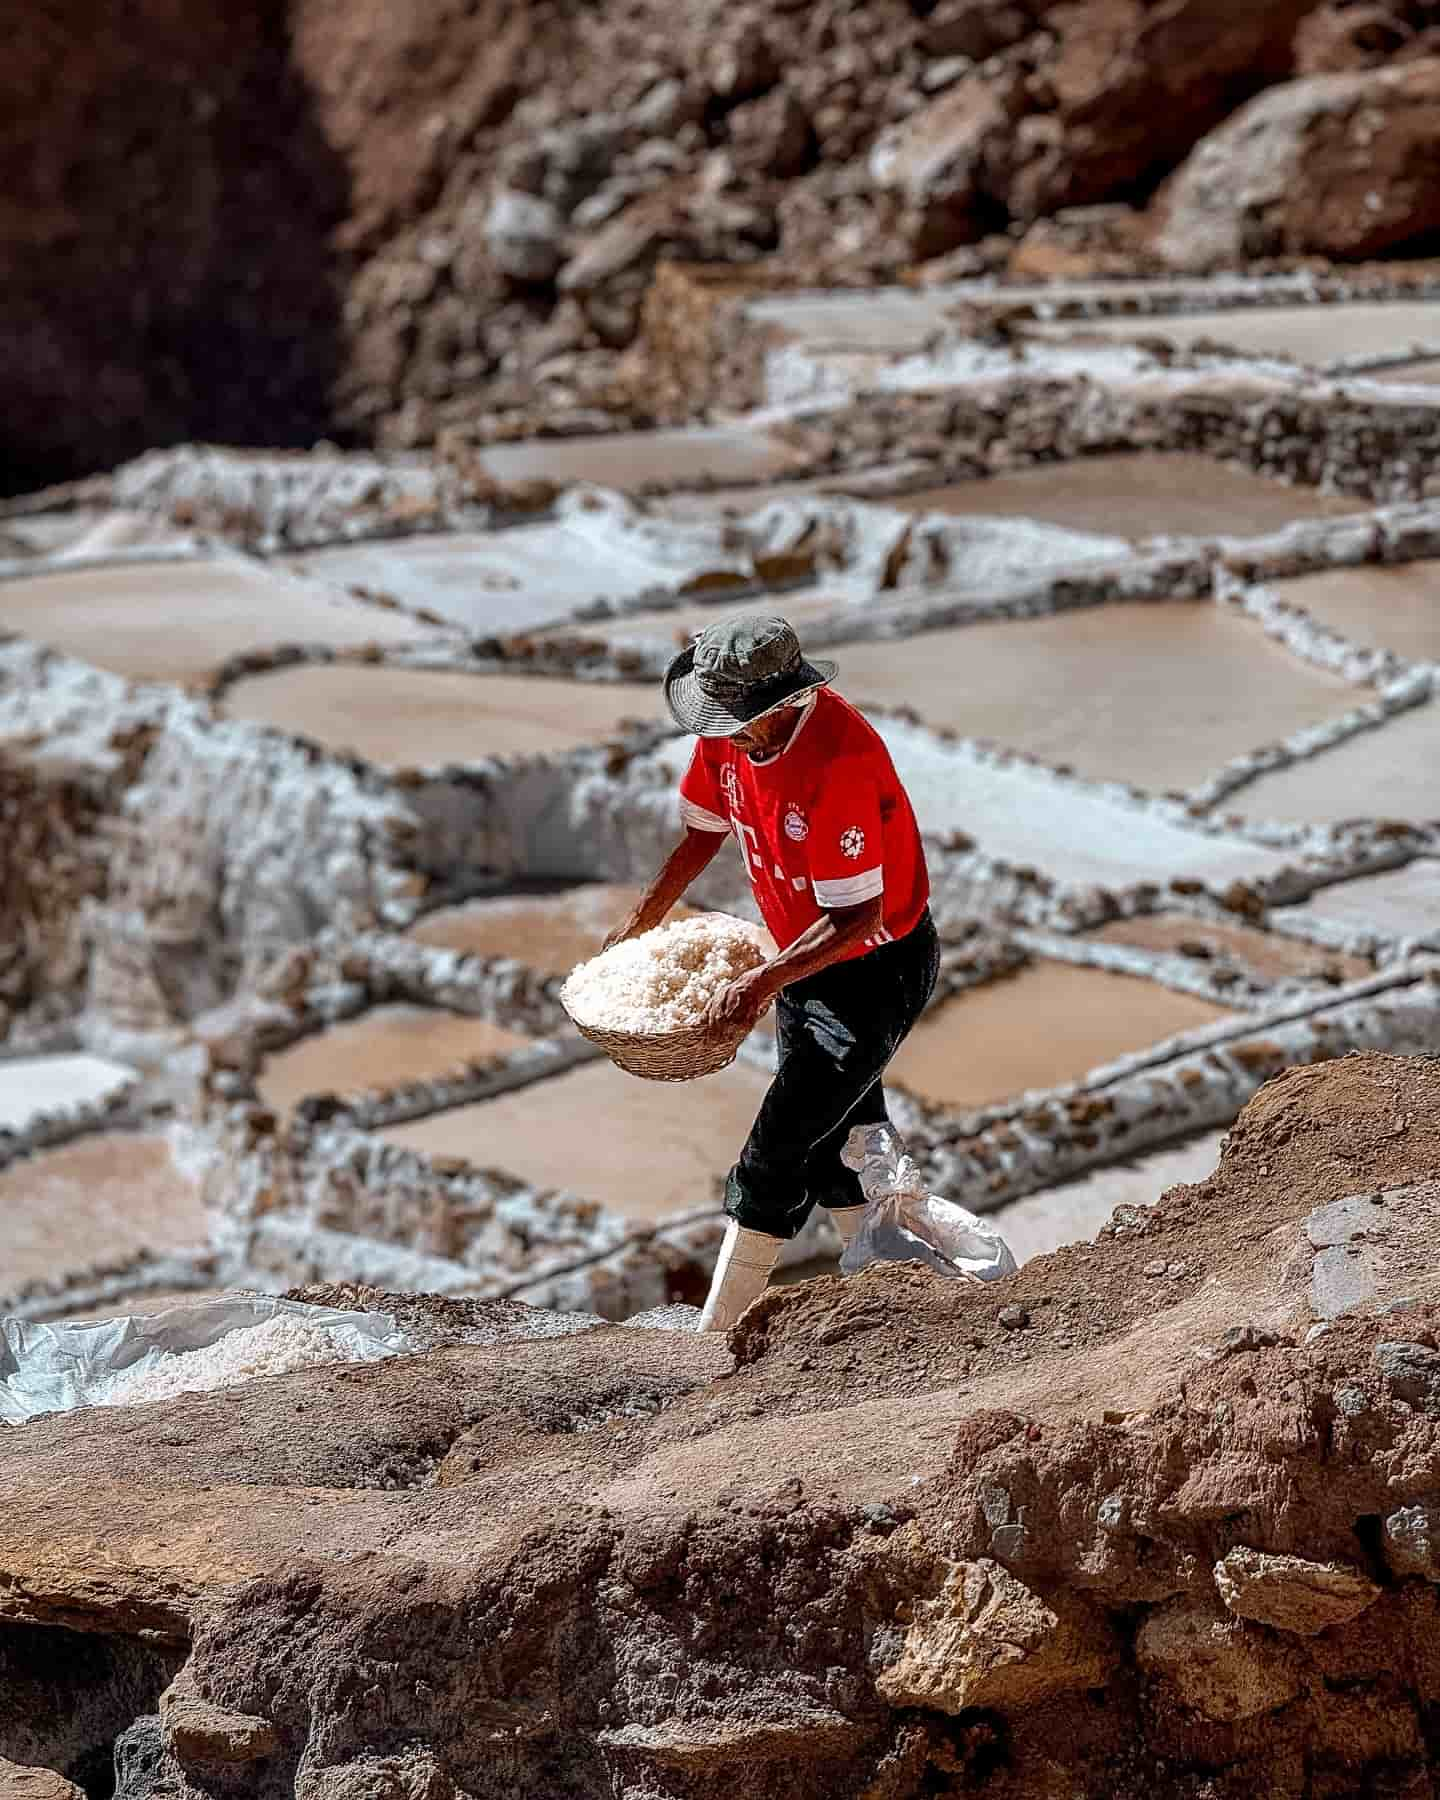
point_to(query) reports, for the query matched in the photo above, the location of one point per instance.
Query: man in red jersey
(828, 837)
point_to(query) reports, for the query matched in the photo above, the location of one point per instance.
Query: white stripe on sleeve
(867, 885)
(698, 819)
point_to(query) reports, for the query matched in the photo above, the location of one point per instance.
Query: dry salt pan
(664, 979)
(272, 1348)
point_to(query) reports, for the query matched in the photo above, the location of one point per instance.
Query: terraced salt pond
(383, 1048)
(547, 932)
(179, 622)
(114, 1193)
(644, 1149)
(527, 576)
(407, 718)
(1401, 903)
(1395, 608)
(634, 459)
(1140, 495)
(1389, 773)
(1050, 1023)
(1310, 334)
(1162, 695)
(1264, 953)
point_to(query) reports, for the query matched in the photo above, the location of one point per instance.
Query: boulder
(1345, 166)
(1411, 1373)
(195, 1731)
(18, 1783)
(1288, 1593)
(1218, 1666)
(524, 235)
(1411, 1536)
(985, 1639)
(937, 161)
(772, 136)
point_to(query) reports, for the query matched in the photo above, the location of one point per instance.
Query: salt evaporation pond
(1392, 772)
(1401, 903)
(384, 1048)
(1264, 952)
(1311, 334)
(1050, 1023)
(1395, 608)
(420, 717)
(99, 1199)
(1140, 495)
(1162, 695)
(180, 621)
(32, 1085)
(643, 1149)
(633, 459)
(547, 932)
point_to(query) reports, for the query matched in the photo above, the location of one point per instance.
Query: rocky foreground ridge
(1157, 1516)
(394, 224)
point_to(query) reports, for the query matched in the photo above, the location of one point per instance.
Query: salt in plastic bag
(903, 1223)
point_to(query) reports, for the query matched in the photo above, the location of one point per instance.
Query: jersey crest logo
(797, 828)
(730, 784)
(852, 842)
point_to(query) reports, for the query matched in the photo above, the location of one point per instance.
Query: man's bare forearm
(832, 936)
(685, 863)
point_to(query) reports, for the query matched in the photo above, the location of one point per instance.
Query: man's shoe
(741, 1275)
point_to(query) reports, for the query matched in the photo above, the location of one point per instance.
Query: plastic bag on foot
(903, 1223)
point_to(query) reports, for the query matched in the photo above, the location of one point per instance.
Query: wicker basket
(665, 1056)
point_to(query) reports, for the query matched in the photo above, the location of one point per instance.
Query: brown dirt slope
(1154, 1517)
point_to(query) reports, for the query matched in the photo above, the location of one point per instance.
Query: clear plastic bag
(903, 1223)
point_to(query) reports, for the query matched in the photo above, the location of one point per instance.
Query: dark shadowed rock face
(876, 1546)
(167, 203)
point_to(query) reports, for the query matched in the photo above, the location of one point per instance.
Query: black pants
(836, 1031)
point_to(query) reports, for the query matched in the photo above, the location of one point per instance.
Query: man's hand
(627, 928)
(737, 1006)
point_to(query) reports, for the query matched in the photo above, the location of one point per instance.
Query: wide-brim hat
(737, 669)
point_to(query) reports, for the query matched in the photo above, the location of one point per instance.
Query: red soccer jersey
(824, 824)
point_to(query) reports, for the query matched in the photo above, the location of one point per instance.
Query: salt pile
(664, 979)
(272, 1348)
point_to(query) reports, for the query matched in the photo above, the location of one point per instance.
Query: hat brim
(694, 710)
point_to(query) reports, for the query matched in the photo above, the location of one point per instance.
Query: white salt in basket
(683, 1054)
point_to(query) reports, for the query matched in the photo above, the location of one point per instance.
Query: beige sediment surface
(1050, 1023)
(181, 621)
(1264, 952)
(96, 1200)
(1392, 772)
(1384, 608)
(1162, 695)
(1075, 1211)
(631, 459)
(548, 932)
(1140, 495)
(641, 1148)
(1420, 374)
(413, 717)
(1313, 334)
(1402, 903)
(385, 1048)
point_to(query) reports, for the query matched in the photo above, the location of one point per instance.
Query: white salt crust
(272, 1348)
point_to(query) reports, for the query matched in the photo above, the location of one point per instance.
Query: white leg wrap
(741, 1275)
(846, 1220)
